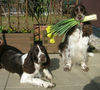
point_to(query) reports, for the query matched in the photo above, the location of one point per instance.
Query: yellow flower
(48, 29)
(49, 35)
(25, 31)
(52, 40)
(10, 29)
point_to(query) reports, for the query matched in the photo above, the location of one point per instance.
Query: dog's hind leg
(84, 66)
(67, 60)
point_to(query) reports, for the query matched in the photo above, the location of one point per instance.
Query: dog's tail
(2, 42)
(4, 39)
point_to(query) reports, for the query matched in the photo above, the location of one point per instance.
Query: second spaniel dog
(76, 41)
(29, 66)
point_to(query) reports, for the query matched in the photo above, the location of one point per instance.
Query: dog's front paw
(48, 85)
(67, 68)
(49, 77)
(47, 74)
(86, 69)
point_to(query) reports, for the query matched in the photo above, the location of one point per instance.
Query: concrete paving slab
(14, 82)
(68, 88)
(95, 60)
(1, 88)
(71, 78)
(34, 88)
(3, 78)
(76, 79)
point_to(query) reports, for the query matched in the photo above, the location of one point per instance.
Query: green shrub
(1, 29)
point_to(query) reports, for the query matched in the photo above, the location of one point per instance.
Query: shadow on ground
(96, 33)
(93, 85)
(54, 64)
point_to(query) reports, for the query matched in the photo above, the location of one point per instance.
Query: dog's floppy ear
(47, 64)
(28, 66)
(84, 9)
(87, 29)
(72, 13)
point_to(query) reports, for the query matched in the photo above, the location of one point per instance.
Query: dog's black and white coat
(76, 41)
(28, 65)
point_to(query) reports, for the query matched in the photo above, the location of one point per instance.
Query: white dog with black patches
(29, 66)
(76, 43)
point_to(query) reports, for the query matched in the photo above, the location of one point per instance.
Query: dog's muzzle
(80, 17)
(42, 58)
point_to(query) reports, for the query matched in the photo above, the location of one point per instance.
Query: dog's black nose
(80, 17)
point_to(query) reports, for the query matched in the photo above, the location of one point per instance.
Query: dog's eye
(76, 10)
(81, 10)
(42, 49)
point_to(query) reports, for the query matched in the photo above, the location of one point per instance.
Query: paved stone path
(76, 79)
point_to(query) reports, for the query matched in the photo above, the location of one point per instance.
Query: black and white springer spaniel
(29, 66)
(76, 41)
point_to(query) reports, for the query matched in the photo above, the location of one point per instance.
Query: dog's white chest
(77, 43)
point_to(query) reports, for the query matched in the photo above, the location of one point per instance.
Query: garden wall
(52, 48)
(21, 41)
(24, 41)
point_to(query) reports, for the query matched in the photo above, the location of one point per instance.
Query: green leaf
(63, 26)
